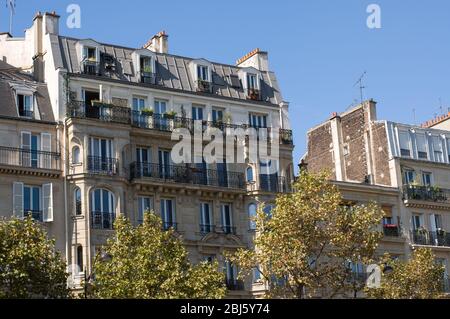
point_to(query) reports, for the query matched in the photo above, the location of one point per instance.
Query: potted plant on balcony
(227, 118)
(170, 115)
(147, 111)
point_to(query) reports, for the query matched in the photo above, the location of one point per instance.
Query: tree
(304, 248)
(30, 267)
(418, 278)
(146, 262)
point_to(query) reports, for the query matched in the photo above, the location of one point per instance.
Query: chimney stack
(256, 58)
(159, 43)
(38, 55)
(51, 23)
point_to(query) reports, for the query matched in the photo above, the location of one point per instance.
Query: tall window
(146, 64)
(80, 258)
(202, 73)
(90, 54)
(409, 176)
(257, 120)
(197, 113)
(77, 200)
(75, 155)
(206, 219)
(405, 144)
(435, 222)
(252, 81)
(102, 209)
(252, 216)
(437, 149)
(101, 155)
(145, 204)
(422, 146)
(31, 145)
(168, 213)
(427, 179)
(226, 218)
(138, 104)
(250, 175)
(32, 201)
(217, 115)
(25, 105)
(417, 222)
(165, 168)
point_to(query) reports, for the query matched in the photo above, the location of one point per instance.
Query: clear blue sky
(317, 48)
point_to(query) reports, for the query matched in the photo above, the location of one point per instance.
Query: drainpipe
(66, 211)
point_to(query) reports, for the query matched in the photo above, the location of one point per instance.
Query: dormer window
(253, 92)
(25, 105)
(202, 73)
(90, 62)
(147, 70)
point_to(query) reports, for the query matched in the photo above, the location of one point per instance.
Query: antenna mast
(11, 4)
(361, 86)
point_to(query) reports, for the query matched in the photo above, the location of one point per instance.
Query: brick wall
(320, 145)
(380, 154)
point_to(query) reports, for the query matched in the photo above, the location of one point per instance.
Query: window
(268, 210)
(226, 218)
(168, 213)
(145, 204)
(146, 64)
(257, 120)
(256, 275)
(250, 175)
(90, 54)
(75, 155)
(101, 155)
(202, 73)
(435, 222)
(138, 104)
(80, 258)
(417, 221)
(422, 150)
(409, 176)
(252, 81)
(217, 115)
(160, 107)
(437, 149)
(33, 200)
(25, 105)
(405, 144)
(206, 218)
(197, 113)
(77, 199)
(102, 209)
(165, 168)
(252, 216)
(426, 179)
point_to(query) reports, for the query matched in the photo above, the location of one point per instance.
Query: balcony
(102, 165)
(37, 215)
(426, 193)
(391, 230)
(148, 77)
(90, 67)
(270, 184)
(33, 159)
(102, 220)
(187, 175)
(254, 94)
(424, 237)
(169, 225)
(26, 113)
(99, 111)
(206, 229)
(204, 86)
(234, 284)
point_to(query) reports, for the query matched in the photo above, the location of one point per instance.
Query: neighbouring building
(404, 168)
(86, 136)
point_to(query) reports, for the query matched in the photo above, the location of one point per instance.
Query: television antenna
(361, 86)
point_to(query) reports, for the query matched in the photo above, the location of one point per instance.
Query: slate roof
(172, 71)
(8, 108)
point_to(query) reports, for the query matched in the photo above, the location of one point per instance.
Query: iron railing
(148, 77)
(204, 86)
(26, 113)
(431, 238)
(102, 220)
(102, 165)
(99, 111)
(169, 225)
(29, 158)
(90, 67)
(391, 231)
(271, 184)
(234, 284)
(187, 175)
(35, 214)
(206, 229)
(426, 193)
(228, 229)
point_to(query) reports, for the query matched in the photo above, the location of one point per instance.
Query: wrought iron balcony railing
(99, 111)
(271, 184)
(26, 113)
(29, 158)
(148, 77)
(90, 67)
(170, 225)
(102, 220)
(102, 165)
(426, 193)
(206, 229)
(204, 86)
(187, 175)
(391, 231)
(37, 215)
(431, 238)
(234, 284)
(228, 229)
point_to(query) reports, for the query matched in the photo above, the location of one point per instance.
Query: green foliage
(309, 240)
(146, 262)
(418, 278)
(30, 267)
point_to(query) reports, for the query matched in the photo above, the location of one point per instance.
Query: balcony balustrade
(270, 184)
(27, 158)
(431, 238)
(102, 165)
(102, 220)
(426, 193)
(234, 284)
(391, 231)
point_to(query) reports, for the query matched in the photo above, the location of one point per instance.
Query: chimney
(256, 58)
(159, 43)
(38, 56)
(51, 23)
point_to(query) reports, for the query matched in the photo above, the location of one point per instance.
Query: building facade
(113, 113)
(404, 168)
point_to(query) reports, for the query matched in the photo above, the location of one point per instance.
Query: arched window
(250, 177)
(252, 216)
(77, 200)
(75, 155)
(80, 258)
(102, 209)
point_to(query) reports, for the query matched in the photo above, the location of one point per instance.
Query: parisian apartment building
(404, 168)
(85, 137)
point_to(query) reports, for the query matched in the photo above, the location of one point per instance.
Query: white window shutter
(46, 146)
(47, 200)
(18, 200)
(25, 159)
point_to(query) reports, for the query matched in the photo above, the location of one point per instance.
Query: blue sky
(317, 48)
